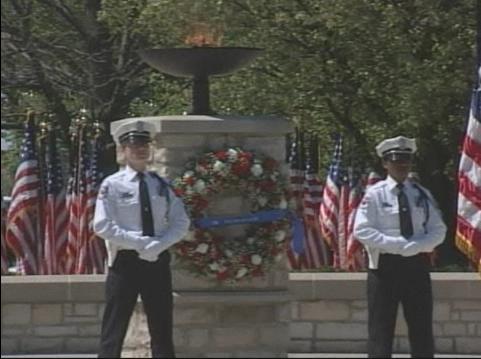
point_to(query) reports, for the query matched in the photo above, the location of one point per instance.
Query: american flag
(309, 251)
(96, 249)
(372, 179)
(468, 231)
(56, 216)
(24, 232)
(355, 253)
(332, 216)
(4, 247)
(317, 252)
(86, 253)
(296, 251)
(358, 184)
(72, 204)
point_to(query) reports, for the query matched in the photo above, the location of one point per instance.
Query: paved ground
(291, 355)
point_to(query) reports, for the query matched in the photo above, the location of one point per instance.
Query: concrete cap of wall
(257, 125)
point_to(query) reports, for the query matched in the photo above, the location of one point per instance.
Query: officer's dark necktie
(405, 221)
(145, 208)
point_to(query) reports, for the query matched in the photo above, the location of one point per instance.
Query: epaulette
(164, 186)
(377, 185)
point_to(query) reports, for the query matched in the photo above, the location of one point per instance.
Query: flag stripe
(468, 231)
(23, 233)
(470, 191)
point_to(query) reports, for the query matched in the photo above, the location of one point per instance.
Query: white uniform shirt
(377, 221)
(117, 215)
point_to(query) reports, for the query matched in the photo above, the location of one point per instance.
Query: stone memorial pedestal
(249, 319)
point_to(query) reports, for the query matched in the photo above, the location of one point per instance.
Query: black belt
(134, 253)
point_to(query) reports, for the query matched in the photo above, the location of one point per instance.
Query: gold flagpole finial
(44, 128)
(30, 117)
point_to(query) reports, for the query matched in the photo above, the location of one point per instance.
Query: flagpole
(478, 35)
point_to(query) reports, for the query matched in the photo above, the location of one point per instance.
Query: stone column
(249, 319)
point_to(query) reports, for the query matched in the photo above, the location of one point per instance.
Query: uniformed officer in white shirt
(399, 224)
(140, 217)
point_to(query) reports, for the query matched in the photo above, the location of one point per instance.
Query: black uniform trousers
(406, 280)
(127, 278)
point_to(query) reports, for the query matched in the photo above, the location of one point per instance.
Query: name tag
(126, 195)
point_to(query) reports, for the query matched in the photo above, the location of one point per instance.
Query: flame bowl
(199, 61)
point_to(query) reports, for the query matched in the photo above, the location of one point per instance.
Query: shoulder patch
(104, 191)
(364, 202)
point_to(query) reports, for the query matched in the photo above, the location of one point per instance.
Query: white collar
(131, 173)
(392, 183)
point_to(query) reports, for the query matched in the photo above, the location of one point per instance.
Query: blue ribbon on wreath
(261, 217)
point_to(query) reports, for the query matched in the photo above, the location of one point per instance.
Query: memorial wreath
(258, 180)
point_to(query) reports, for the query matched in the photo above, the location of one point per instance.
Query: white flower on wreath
(188, 174)
(241, 272)
(292, 202)
(232, 154)
(274, 176)
(201, 169)
(214, 266)
(202, 248)
(262, 201)
(257, 170)
(256, 259)
(199, 186)
(283, 204)
(250, 240)
(280, 236)
(219, 166)
(228, 253)
(190, 237)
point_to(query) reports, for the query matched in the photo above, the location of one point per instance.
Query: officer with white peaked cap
(399, 224)
(139, 217)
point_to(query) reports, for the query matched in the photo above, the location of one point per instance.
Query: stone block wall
(51, 314)
(325, 312)
(329, 314)
(222, 324)
(62, 315)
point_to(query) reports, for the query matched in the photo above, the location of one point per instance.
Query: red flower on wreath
(242, 167)
(189, 180)
(267, 186)
(270, 164)
(222, 276)
(246, 156)
(221, 155)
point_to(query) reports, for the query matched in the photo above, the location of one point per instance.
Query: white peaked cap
(398, 144)
(138, 128)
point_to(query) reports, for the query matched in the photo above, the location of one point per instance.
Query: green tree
(65, 55)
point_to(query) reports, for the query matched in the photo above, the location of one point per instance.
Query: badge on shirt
(363, 204)
(126, 195)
